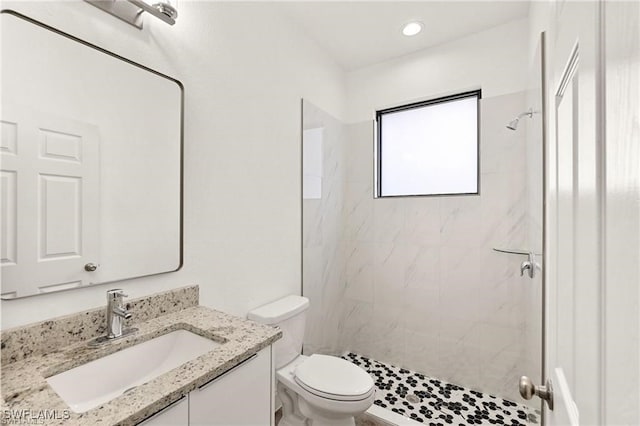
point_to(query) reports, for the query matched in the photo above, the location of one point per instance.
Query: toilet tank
(288, 313)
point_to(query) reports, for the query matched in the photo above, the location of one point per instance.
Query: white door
(574, 229)
(622, 237)
(564, 234)
(50, 196)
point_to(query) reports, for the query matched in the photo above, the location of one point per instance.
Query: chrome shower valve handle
(530, 266)
(526, 266)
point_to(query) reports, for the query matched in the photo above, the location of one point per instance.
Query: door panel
(573, 341)
(240, 397)
(60, 226)
(50, 194)
(593, 325)
(177, 414)
(8, 217)
(567, 113)
(622, 243)
(565, 411)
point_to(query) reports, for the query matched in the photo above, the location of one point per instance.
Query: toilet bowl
(326, 389)
(316, 390)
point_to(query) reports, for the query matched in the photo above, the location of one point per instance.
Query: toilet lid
(333, 377)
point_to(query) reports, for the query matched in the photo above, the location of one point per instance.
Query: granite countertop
(24, 385)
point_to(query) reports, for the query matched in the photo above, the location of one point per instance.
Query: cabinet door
(239, 397)
(177, 414)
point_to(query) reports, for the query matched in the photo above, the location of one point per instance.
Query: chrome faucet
(116, 313)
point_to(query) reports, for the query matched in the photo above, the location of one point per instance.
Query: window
(428, 148)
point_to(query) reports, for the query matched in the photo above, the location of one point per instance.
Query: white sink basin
(92, 384)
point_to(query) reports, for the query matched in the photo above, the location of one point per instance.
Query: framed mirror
(91, 163)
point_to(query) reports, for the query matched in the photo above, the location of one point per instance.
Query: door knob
(528, 390)
(90, 267)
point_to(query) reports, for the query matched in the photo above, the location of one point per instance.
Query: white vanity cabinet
(238, 397)
(177, 414)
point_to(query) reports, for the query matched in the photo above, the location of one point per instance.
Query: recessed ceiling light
(412, 28)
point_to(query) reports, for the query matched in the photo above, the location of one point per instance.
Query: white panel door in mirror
(50, 202)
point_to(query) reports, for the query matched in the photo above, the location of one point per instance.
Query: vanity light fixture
(131, 11)
(412, 28)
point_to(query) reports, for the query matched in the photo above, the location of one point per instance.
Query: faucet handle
(115, 293)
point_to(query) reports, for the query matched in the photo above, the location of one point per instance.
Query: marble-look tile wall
(323, 260)
(418, 284)
(424, 288)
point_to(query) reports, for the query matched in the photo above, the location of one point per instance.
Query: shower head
(513, 124)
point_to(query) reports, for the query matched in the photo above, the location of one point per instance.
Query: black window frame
(378, 143)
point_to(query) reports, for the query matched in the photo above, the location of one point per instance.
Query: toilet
(315, 390)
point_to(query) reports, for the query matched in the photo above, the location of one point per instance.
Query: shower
(513, 124)
(391, 292)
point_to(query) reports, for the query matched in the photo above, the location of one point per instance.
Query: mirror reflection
(91, 164)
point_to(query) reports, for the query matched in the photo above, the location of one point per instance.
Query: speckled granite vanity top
(28, 358)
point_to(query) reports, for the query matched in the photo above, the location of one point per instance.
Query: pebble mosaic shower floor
(435, 402)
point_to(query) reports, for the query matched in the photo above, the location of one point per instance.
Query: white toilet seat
(335, 397)
(330, 403)
(333, 378)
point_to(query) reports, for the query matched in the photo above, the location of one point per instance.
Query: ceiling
(358, 33)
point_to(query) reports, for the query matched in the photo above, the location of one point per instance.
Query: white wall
(244, 70)
(492, 60)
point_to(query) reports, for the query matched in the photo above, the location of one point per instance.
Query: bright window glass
(429, 148)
